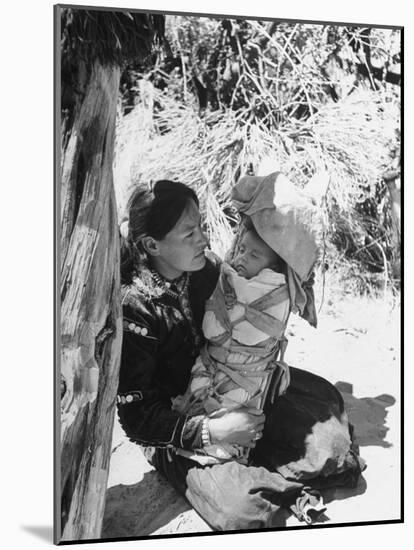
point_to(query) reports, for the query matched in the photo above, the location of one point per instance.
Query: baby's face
(252, 256)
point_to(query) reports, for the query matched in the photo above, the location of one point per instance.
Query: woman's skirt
(307, 436)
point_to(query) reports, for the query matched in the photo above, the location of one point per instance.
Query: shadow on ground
(142, 508)
(367, 415)
(342, 493)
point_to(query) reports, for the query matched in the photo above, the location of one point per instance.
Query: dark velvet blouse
(161, 340)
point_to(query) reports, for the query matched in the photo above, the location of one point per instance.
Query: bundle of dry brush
(230, 95)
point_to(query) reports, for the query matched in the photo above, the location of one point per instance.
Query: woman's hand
(241, 427)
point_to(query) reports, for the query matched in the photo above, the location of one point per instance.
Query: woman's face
(253, 255)
(182, 249)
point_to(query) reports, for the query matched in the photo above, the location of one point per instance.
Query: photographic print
(228, 250)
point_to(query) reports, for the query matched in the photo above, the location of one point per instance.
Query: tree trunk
(394, 188)
(91, 322)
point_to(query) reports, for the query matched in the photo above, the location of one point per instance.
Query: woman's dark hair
(151, 213)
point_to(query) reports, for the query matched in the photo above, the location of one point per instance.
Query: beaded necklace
(178, 289)
(168, 287)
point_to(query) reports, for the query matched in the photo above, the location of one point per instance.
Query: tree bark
(91, 322)
(392, 180)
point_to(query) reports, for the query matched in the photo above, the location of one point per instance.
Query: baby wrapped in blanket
(244, 323)
(246, 316)
(241, 340)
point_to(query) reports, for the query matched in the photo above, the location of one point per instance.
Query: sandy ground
(356, 347)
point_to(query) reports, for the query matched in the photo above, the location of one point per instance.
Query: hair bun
(168, 187)
(162, 186)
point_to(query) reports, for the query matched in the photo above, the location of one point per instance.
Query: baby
(244, 326)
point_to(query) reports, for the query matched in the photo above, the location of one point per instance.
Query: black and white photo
(228, 298)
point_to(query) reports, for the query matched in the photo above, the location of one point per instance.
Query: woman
(166, 280)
